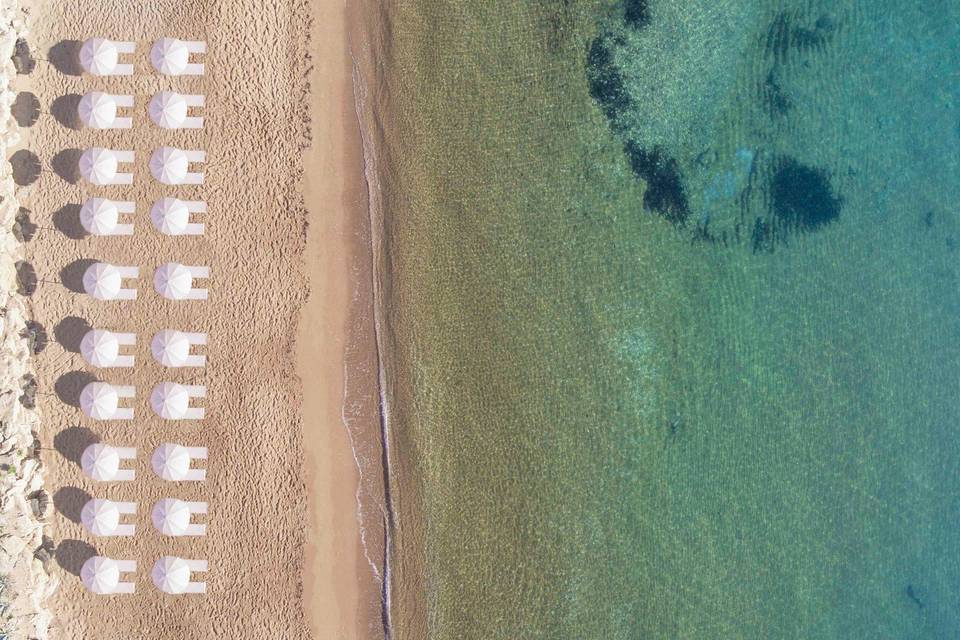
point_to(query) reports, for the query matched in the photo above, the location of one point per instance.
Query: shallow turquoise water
(675, 300)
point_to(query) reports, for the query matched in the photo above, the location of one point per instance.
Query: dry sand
(283, 532)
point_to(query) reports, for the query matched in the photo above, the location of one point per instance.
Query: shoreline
(405, 525)
(334, 326)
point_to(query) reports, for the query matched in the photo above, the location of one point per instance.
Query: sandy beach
(290, 375)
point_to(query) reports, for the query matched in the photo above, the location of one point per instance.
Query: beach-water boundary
(373, 450)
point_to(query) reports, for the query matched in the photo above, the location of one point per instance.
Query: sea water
(671, 318)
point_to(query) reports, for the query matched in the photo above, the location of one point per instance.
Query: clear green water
(721, 406)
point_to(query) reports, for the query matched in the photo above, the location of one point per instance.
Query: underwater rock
(802, 196)
(606, 80)
(914, 596)
(664, 194)
(636, 13)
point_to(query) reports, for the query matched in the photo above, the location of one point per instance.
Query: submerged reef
(698, 101)
(607, 86)
(802, 196)
(664, 193)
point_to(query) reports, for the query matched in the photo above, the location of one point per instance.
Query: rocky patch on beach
(25, 582)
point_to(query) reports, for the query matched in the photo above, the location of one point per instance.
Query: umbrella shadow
(25, 167)
(36, 335)
(28, 392)
(67, 220)
(26, 278)
(65, 56)
(70, 331)
(69, 385)
(25, 109)
(64, 109)
(66, 164)
(72, 275)
(23, 60)
(23, 227)
(72, 554)
(69, 501)
(73, 441)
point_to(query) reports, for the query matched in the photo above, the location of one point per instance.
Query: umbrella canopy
(169, 165)
(99, 216)
(170, 216)
(100, 517)
(169, 56)
(171, 574)
(171, 461)
(168, 110)
(98, 165)
(170, 348)
(100, 462)
(173, 280)
(171, 517)
(170, 400)
(100, 348)
(99, 400)
(100, 574)
(97, 109)
(99, 56)
(102, 281)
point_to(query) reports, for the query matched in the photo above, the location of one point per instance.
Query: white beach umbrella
(168, 110)
(99, 216)
(171, 574)
(171, 348)
(98, 165)
(170, 56)
(99, 400)
(100, 462)
(170, 216)
(173, 280)
(170, 400)
(100, 517)
(171, 461)
(171, 517)
(99, 56)
(100, 574)
(102, 281)
(169, 165)
(97, 109)
(100, 348)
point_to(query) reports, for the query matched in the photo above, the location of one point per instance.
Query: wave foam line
(375, 213)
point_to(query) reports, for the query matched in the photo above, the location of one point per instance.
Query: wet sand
(283, 536)
(336, 344)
